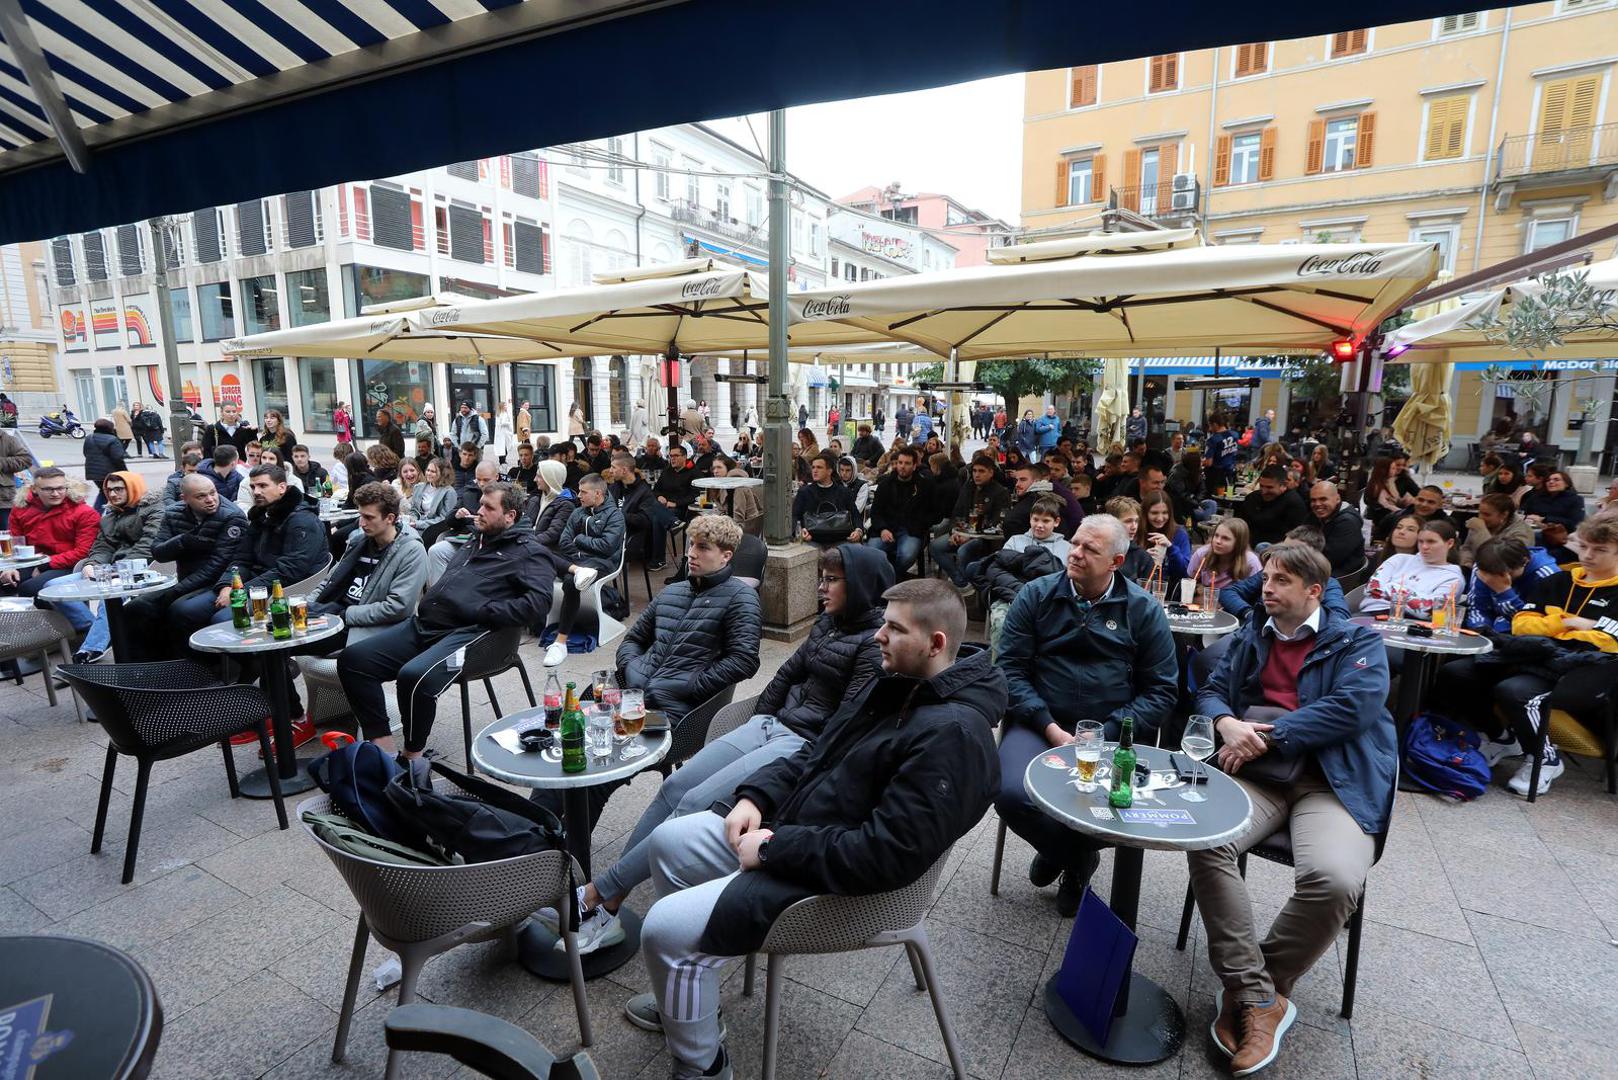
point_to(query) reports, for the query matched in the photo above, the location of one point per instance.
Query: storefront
(317, 385)
(152, 386)
(398, 385)
(270, 388)
(535, 384)
(473, 383)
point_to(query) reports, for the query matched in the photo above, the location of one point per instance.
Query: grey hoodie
(391, 592)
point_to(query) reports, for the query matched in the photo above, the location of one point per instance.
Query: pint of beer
(259, 597)
(299, 607)
(6, 550)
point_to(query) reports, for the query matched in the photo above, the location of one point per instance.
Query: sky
(963, 140)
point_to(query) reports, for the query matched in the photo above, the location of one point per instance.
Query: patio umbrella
(1423, 424)
(1256, 298)
(391, 337)
(1112, 404)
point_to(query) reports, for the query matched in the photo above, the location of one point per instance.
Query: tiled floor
(1490, 950)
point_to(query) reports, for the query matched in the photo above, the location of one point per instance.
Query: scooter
(60, 423)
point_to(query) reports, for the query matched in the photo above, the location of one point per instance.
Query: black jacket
(994, 501)
(594, 537)
(103, 456)
(285, 540)
(699, 636)
(493, 582)
(1007, 572)
(391, 437)
(1557, 508)
(311, 480)
(675, 486)
(202, 549)
(903, 504)
(1345, 538)
(215, 435)
(1270, 521)
(904, 769)
(867, 449)
(839, 652)
(634, 500)
(148, 424)
(814, 499)
(549, 522)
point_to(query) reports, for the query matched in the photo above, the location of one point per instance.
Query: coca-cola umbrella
(393, 336)
(1253, 298)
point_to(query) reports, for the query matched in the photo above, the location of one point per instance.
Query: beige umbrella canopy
(1257, 298)
(1423, 424)
(1112, 403)
(391, 337)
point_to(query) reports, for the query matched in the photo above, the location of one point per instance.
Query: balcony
(1580, 155)
(1161, 202)
(689, 213)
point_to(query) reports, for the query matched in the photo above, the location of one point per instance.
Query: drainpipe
(1489, 158)
(1213, 114)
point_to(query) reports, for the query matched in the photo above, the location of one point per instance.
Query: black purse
(822, 524)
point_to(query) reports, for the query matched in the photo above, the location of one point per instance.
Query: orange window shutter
(1084, 86)
(1260, 61)
(1098, 178)
(1171, 71)
(1168, 158)
(1339, 44)
(1061, 181)
(1357, 41)
(1155, 79)
(1553, 106)
(1131, 194)
(1316, 156)
(1242, 55)
(1266, 154)
(1455, 137)
(1365, 141)
(1222, 161)
(1437, 122)
(1582, 102)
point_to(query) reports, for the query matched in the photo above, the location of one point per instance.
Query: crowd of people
(873, 747)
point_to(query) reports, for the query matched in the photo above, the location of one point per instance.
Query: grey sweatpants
(713, 773)
(691, 865)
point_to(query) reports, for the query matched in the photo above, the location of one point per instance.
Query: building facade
(970, 232)
(27, 334)
(1489, 134)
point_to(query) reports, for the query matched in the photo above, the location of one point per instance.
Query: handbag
(833, 524)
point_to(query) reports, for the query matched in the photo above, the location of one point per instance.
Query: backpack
(355, 776)
(614, 603)
(345, 836)
(1441, 756)
(484, 824)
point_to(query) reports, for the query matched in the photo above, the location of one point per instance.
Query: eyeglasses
(829, 581)
(52, 490)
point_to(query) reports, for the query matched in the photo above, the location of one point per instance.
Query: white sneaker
(600, 929)
(583, 576)
(1495, 752)
(555, 654)
(551, 919)
(1550, 770)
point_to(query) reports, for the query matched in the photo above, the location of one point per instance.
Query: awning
(391, 337)
(172, 105)
(1266, 367)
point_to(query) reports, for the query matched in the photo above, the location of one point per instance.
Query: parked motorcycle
(60, 423)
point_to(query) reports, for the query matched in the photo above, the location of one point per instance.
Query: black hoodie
(839, 652)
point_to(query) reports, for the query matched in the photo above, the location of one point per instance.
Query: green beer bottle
(1123, 768)
(240, 617)
(280, 614)
(572, 732)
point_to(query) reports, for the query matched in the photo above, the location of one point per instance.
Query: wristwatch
(764, 851)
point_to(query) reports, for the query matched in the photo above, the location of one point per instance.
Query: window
(851, 272)
(317, 379)
(1252, 59)
(1442, 235)
(180, 313)
(536, 384)
(173, 246)
(308, 299)
(252, 228)
(755, 207)
(575, 160)
(580, 241)
(1082, 85)
(463, 170)
(1463, 23)
(1163, 73)
(270, 383)
(1446, 128)
(618, 402)
(693, 182)
(371, 285)
(525, 175)
(215, 311)
(303, 219)
(722, 200)
(1340, 135)
(95, 256)
(62, 263)
(1341, 143)
(663, 161)
(467, 233)
(583, 385)
(262, 305)
(835, 266)
(814, 238)
(525, 246)
(615, 164)
(131, 250)
(1545, 231)
(1079, 175)
(1349, 43)
(1244, 158)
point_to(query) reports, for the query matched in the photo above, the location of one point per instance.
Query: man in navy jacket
(1298, 708)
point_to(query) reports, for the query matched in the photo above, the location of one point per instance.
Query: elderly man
(1297, 703)
(1087, 644)
(1341, 525)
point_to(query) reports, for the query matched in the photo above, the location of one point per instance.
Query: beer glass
(259, 598)
(631, 719)
(1088, 739)
(299, 607)
(5, 545)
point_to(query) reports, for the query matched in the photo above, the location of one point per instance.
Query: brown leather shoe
(1224, 1026)
(1261, 1028)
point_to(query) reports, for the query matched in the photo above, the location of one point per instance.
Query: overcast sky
(963, 140)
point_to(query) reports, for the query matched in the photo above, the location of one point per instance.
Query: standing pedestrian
(15, 458)
(148, 425)
(103, 456)
(505, 436)
(525, 423)
(135, 428)
(121, 426)
(343, 422)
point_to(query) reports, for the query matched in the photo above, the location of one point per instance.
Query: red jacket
(64, 532)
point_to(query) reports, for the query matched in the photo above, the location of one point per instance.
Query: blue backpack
(356, 776)
(1442, 756)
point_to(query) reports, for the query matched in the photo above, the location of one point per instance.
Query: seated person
(551, 503)
(825, 499)
(1426, 579)
(1497, 519)
(1428, 505)
(1577, 610)
(1163, 537)
(644, 515)
(848, 474)
(497, 579)
(981, 500)
(650, 459)
(1273, 508)
(1034, 554)
(381, 574)
(55, 522)
(901, 511)
(1085, 644)
(202, 536)
(905, 769)
(434, 501)
(310, 474)
(1494, 598)
(524, 473)
(1342, 526)
(223, 469)
(1554, 500)
(840, 652)
(1226, 558)
(673, 487)
(190, 462)
(463, 520)
(1138, 562)
(592, 544)
(1298, 709)
(128, 528)
(467, 456)
(567, 454)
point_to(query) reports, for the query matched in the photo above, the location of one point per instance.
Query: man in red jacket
(56, 524)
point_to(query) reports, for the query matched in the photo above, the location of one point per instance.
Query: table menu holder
(1096, 966)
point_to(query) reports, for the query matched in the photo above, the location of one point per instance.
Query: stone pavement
(1489, 946)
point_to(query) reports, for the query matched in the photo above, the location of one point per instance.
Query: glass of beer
(299, 608)
(631, 719)
(5, 545)
(1088, 739)
(259, 598)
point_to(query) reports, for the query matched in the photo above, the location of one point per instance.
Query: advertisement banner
(104, 325)
(140, 322)
(75, 328)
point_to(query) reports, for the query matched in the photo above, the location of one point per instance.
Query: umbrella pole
(777, 411)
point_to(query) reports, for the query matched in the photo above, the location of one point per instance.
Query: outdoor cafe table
(727, 483)
(111, 593)
(222, 637)
(71, 1008)
(1147, 1023)
(539, 769)
(24, 564)
(1422, 663)
(1187, 628)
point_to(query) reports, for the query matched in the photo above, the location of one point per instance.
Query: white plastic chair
(608, 629)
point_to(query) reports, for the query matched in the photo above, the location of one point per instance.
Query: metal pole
(179, 419)
(778, 410)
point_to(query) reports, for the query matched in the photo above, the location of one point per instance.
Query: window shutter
(525, 175)
(465, 234)
(1168, 160)
(205, 228)
(1252, 59)
(1266, 154)
(1582, 102)
(129, 261)
(1155, 80)
(1131, 192)
(1222, 160)
(1365, 141)
(1098, 178)
(300, 219)
(530, 247)
(1171, 71)
(95, 256)
(1082, 89)
(1061, 181)
(465, 170)
(545, 251)
(250, 239)
(362, 214)
(1315, 158)
(1348, 43)
(62, 260)
(418, 237)
(391, 220)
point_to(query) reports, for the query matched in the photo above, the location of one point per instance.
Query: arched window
(582, 380)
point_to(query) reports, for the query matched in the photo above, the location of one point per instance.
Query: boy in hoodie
(592, 544)
(128, 528)
(1026, 556)
(840, 652)
(1499, 566)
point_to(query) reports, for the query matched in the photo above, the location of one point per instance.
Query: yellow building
(27, 338)
(1491, 134)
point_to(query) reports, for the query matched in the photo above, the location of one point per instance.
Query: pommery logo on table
(24, 1042)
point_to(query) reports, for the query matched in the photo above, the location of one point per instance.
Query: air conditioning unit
(1183, 200)
(1185, 181)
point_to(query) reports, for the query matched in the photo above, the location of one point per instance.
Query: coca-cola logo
(1361, 263)
(700, 290)
(442, 316)
(830, 308)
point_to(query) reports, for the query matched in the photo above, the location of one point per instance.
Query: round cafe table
(73, 1008)
(1147, 1024)
(1188, 629)
(111, 593)
(222, 637)
(536, 946)
(28, 563)
(1422, 663)
(727, 483)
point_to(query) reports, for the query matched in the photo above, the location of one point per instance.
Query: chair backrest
(29, 633)
(844, 923)
(495, 651)
(1355, 577)
(1352, 598)
(730, 718)
(109, 690)
(310, 584)
(691, 733)
(419, 903)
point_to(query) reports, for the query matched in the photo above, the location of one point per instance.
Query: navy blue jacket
(1243, 596)
(1064, 664)
(1340, 719)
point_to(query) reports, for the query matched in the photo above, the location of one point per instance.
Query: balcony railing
(1157, 200)
(1570, 150)
(692, 214)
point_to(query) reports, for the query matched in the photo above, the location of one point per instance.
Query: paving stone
(1561, 982)
(486, 977)
(853, 977)
(1595, 876)
(813, 1026)
(865, 1057)
(1318, 994)
(1386, 1044)
(619, 1049)
(43, 845)
(1524, 882)
(319, 966)
(245, 1031)
(1038, 1050)
(18, 916)
(150, 913)
(1408, 887)
(1433, 981)
(365, 1056)
(1555, 1057)
(260, 863)
(1021, 915)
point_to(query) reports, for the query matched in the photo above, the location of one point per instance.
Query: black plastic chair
(486, 1044)
(495, 653)
(154, 712)
(691, 733)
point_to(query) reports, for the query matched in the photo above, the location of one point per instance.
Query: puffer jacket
(285, 541)
(128, 533)
(1008, 571)
(229, 482)
(840, 651)
(904, 769)
(594, 536)
(549, 522)
(200, 549)
(65, 532)
(103, 456)
(699, 636)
